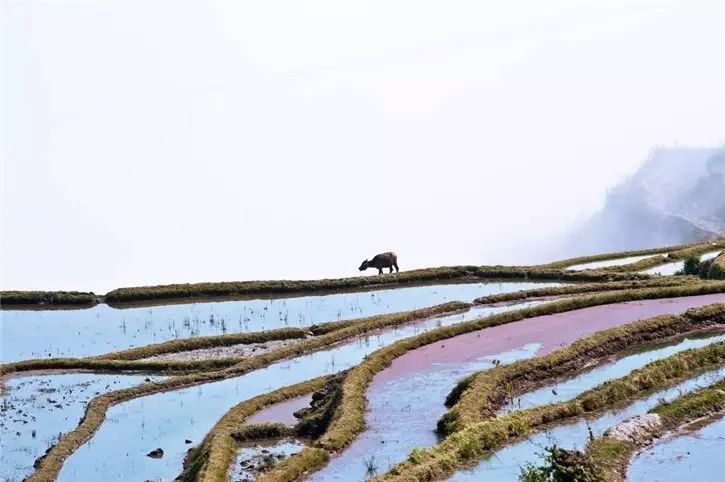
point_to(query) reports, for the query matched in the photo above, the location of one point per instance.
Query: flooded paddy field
(607, 263)
(417, 382)
(505, 464)
(165, 420)
(693, 455)
(30, 334)
(572, 387)
(670, 269)
(282, 412)
(36, 409)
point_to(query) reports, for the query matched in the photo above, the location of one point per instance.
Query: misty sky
(152, 142)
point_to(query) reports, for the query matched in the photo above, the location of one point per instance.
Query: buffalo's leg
(380, 270)
(396, 268)
(391, 270)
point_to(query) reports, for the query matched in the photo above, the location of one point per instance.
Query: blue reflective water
(77, 333)
(609, 262)
(118, 450)
(693, 456)
(403, 416)
(36, 409)
(505, 464)
(569, 389)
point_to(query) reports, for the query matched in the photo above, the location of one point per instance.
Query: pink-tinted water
(281, 412)
(406, 399)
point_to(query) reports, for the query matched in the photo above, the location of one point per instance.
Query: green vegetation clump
(691, 266)
(478, 439)
(560, 465)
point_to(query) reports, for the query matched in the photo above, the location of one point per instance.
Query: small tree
(692, 266)
(560, 465)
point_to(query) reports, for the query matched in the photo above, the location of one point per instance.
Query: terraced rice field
(462, 381)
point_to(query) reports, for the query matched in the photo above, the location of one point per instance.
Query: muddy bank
(254, 459)
(416, 383)
(233, 351)
(693, 455)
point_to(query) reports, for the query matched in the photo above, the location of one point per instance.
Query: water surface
(29, 334)
(670, 269)
(405, 400)
(693, 456)
(611, 262)
(118, 450)
(569, 389)
(36, 409)
(505, 464)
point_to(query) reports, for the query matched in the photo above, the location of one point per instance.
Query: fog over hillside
(676, 196)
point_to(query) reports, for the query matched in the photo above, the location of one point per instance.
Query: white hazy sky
(151, 142)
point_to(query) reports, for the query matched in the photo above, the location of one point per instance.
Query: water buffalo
(380, 261)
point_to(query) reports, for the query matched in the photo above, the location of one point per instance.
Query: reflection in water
(505, 464)
(590, 379)
(165, 420)
(77, 333)
(37, 409)
(610, 262)
(409, 407)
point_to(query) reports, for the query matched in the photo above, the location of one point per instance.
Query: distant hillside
(677, 196)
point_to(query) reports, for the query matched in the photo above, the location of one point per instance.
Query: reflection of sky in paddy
(118, 449)
(505, 464)
(77, 333)
(37, 408)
